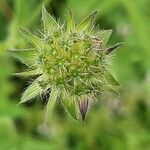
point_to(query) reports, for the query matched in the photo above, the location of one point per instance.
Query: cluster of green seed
(69, 59)
(72, 60)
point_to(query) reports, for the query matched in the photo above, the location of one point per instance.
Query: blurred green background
(117, 123)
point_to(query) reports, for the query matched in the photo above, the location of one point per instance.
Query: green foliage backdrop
(117, 122)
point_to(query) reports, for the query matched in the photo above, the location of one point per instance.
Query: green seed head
(69, 59)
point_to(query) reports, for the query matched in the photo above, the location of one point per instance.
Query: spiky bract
(69, 59)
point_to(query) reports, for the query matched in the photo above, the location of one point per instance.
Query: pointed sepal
(104, 36)
(48, 21)
(32, 91)
(110, 49)
(83, 107)
(110, 79)
(70, 21)
(29, 73)
(33, 39)
(26, 56)
(111, 89)
(87, 23)
(69, 103)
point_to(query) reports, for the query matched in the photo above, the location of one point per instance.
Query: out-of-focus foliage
(117, 122)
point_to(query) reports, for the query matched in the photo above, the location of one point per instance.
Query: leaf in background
(32, 91)
(87, 23)
(48, 21)
(69, 104)
(26, 56)
(70, 21)
(22, 11)
(110, 79)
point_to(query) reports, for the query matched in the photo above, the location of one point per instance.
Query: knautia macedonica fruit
(69, 61)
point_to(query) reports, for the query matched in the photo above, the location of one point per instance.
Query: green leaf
(104, 36)
(32, 91)
(29, 73)
(69, 104)
(70, 21)
(48, 21)
(51, 103)
(110, 79)
(33, 39)
(87, 23)
(26, 56)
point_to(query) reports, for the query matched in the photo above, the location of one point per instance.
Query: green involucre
(69, 59)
